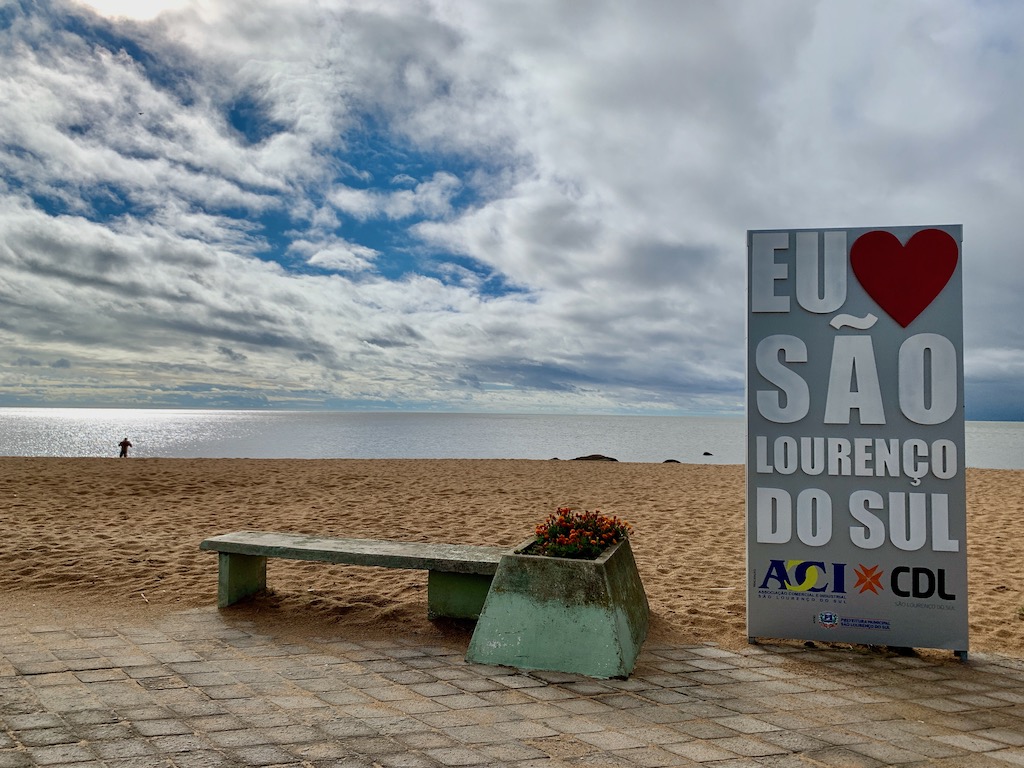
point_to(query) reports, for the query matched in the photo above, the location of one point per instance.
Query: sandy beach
(122, 536)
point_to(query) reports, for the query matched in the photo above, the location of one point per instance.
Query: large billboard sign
(856, 501)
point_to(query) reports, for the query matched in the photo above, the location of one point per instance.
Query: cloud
(491, 206)
(335, 254)
(431, 198)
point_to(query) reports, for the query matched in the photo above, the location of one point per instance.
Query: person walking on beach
(125, 445)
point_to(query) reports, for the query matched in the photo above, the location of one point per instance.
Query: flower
(579, 535)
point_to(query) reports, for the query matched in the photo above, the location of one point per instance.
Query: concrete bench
(458, 578)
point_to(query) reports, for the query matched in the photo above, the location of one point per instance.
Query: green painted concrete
(457, 583)
(239, 576)
(456, 595)
(583, 616)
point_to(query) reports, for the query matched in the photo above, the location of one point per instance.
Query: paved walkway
(194, 689)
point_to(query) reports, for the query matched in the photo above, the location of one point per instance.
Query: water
(311, 435)
(305, 434)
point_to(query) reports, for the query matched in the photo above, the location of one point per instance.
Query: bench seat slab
(453, 558)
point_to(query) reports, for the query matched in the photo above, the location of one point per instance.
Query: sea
(170, 433)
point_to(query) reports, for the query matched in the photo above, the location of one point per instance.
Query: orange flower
(582, 535)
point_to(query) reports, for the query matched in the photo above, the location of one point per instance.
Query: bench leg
(456, 595)
(239, 576)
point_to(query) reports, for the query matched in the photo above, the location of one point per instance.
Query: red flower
(581, 535)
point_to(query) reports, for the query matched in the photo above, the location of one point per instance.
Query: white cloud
(579, 175)
(428, 198)
(134, 9)
(337, 254)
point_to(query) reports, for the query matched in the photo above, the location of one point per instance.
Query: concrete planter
(553, 613)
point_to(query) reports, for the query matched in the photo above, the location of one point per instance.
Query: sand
(122, 536)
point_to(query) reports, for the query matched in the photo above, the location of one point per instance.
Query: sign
(856, 500)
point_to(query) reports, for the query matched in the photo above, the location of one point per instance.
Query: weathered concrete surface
(460, 574)
(451, 558)
(551, 613)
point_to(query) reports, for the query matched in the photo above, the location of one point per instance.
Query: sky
(490, 206)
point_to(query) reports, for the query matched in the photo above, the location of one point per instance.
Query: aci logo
(805, 576)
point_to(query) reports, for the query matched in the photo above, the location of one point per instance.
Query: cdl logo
(919, 583)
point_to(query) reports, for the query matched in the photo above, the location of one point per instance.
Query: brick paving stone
(663, 714)
(29, 721)
(512, 752)
(835, 736)
(269, 719)
(476, 685)
(239, 738)
(699, 751)
(520, 681)
(124, 749)
(651, 757)
(261, 755)
(841, 757)
(930, 747)
(60, 754)
(748, 746)
(793, 741)
(658, 734)
(532, 710)
(461, 701)
(664, 696)
(291, 734)
(12, 759)
(44, 737)
(435, 689)
(889, 754)
(745, 724)
(969, 742)
(429, 739)
(492, 715)
(610, 740)
(523, 729)
(477, 734)
(418, 705)
(213, 723)
(705, 709)
(451, 718)
(578, 706)
(162, 727)
(407, 760)
(1009, 756)
(1003, 735)
(193, 690)
(179, 743)
(573, 724)
(203, 759)
(457, 756)
(747, 706)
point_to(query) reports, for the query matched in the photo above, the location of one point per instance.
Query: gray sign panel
(856, 502)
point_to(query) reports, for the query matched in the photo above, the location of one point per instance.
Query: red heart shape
(904, 279)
